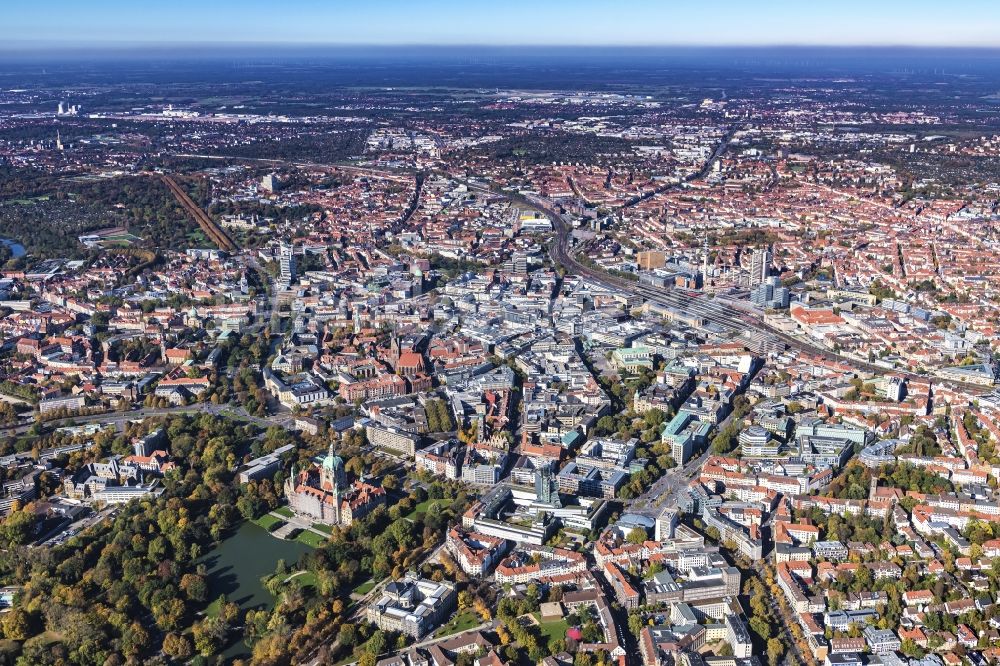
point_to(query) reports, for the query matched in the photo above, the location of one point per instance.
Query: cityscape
(456, 355)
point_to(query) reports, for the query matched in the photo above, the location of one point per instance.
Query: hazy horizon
(514, 23)
(935, 56)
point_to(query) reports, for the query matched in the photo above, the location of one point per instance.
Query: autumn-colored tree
(17, 625)
(177, 646)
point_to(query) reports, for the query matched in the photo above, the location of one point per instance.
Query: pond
(236, 566)
(16, 249)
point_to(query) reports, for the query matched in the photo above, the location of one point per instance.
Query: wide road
(666, 489)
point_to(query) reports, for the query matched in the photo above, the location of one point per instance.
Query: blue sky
(506, 22)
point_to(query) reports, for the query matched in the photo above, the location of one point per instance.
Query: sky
(103, 23)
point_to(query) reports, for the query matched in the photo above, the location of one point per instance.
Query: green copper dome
(332, 460)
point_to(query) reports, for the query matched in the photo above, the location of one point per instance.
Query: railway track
(211, 229)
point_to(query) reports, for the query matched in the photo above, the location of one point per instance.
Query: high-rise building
(546, 487)
(704, 261)
(357, 318)
(286, 263)
(270, 183)
(760, 266)
(770, 294)
(895, 389)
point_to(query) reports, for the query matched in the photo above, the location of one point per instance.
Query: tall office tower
(760, 266)
(704, 263)
(546, 488)
(357, 318)
(770, 294)
(286, 261)
(270, 183)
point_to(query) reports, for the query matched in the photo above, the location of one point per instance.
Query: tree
(347, 635)
(606, 425)
(862, 579)
(168, 613)
(723, 442)
(209, 635)
(775, 650)
(177, 646)
(635, 624)
(18, 527)
(759, 626)
(910, 648)
(195, 587)
(637, 535)
(377, 643)
(17, 625)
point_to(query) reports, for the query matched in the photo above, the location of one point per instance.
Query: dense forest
(47, 215)
(325, 148)
(536, 149)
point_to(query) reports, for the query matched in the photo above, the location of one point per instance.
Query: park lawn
(310, 538)
(325, 529)
(426, 504)
(197, 238)
(268, 522)
(283, 511)
(552, 630)
(212, 610)
(463, 621)
(365, 587)
(306, 579)
(352, 658)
